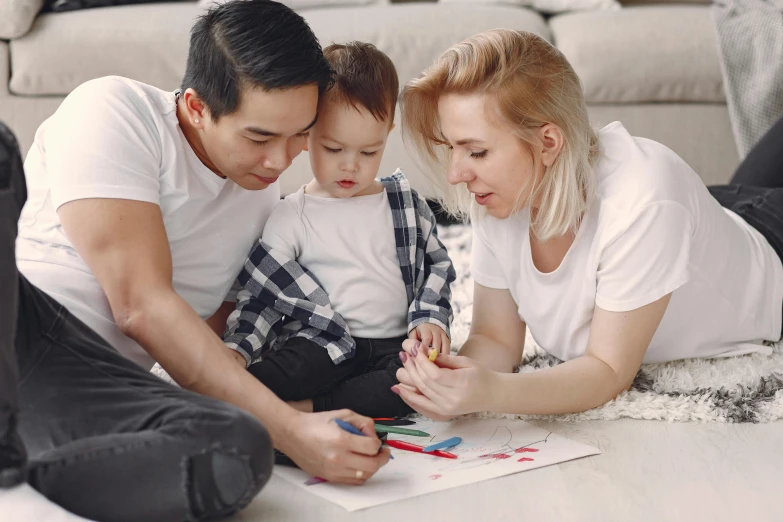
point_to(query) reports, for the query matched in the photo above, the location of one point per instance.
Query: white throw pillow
(16, 17)
(549, 6)
(561, 6)
(304, 4)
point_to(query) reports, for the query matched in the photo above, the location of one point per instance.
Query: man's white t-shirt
(652, 230)
(120, 139)
(348, 245)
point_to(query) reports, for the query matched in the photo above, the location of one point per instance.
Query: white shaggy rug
(737, 389)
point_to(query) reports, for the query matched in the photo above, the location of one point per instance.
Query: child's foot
(22, 503)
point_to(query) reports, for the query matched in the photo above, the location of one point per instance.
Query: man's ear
(195, 107)
(552, 141)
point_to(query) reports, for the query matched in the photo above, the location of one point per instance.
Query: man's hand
(323, 450)
(430, 335)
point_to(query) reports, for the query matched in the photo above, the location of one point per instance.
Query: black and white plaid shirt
(280, 299)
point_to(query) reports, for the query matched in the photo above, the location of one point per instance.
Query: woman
(608, 247)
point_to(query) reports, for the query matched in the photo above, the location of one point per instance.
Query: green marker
(400, 431)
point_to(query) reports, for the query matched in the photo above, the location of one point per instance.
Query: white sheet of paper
(490, 448)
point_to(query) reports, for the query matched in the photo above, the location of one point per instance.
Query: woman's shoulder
(643, 183)
(634, 172)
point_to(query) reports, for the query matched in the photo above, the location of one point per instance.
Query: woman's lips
(483, 199)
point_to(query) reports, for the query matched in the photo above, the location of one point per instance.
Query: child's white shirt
(348, 245)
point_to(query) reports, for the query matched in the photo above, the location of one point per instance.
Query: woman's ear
(552, 141)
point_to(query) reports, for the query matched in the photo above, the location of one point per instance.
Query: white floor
(649, 471)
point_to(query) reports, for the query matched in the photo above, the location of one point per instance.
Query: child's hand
(431, 335)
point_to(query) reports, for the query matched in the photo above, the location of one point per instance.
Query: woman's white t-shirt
(117, 138)
(653, 229)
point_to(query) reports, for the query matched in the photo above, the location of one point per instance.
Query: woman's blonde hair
(531, 84)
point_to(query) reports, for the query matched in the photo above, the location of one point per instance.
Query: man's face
(254, 145)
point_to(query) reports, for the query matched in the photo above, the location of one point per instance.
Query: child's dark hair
(251, 44)
(364, 77)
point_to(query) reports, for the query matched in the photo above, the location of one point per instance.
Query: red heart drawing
(525, 459)
(435, 477)
(526, 450)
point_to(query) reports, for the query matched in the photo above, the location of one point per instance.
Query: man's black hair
(245, 44)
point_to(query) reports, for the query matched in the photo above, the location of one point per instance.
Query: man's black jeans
(96, 433)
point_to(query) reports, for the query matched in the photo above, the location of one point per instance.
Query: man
(136, 225)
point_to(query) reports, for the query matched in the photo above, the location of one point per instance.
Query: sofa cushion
(643, 54)
(149, 42)
(627, 3)
(16, 17)
(146, 42)
(413, 35)
(548, 6)
(4, 67)
(301, 4)
(72, 5)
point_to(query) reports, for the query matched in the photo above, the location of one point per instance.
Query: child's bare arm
(430, 335)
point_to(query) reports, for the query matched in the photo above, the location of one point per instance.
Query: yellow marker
(433, 355)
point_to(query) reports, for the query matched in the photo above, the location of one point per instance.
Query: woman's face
(487, 157)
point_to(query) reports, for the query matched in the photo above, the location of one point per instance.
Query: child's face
(346, 146)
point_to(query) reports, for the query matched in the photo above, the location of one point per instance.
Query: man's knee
(227, 475)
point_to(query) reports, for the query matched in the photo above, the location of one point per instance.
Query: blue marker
(443, 445)
(350, 428)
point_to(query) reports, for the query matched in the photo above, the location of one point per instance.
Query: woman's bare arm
(497, 334)
(459, 385)
(617, 344)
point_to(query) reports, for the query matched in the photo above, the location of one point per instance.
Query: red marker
(407, 446)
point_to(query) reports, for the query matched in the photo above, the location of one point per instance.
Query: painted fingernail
(415, 351)
(403, 357)
(395, 390)
(417, 345)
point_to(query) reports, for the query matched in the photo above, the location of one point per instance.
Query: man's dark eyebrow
(264, 132)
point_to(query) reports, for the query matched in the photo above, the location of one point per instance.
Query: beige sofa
(653, 67)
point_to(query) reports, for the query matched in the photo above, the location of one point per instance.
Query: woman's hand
(452, 385)
(324, 450)
(431, 335)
